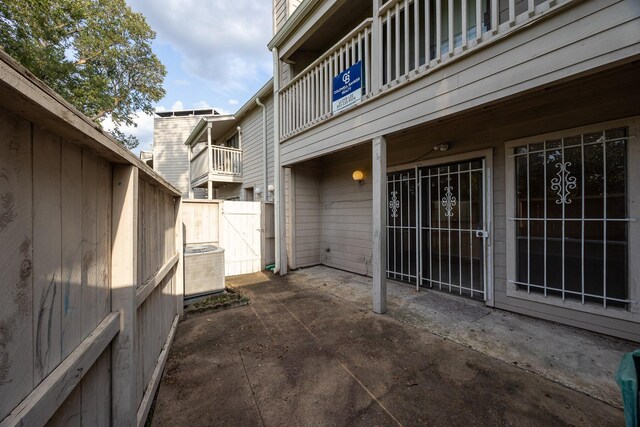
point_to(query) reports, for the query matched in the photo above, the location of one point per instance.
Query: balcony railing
(410, 38)
(306, 99)
(226, 163)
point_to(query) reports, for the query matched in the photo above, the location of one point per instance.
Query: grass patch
(230, 298)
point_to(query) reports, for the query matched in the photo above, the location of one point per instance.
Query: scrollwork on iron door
(449, 200)
(394, 204)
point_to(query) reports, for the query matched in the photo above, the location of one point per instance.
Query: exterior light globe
(358, 175)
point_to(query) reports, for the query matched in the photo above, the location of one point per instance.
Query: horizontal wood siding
(308, 215)
(577, 40)
(347, 213)
(279, 13)
(170, 157)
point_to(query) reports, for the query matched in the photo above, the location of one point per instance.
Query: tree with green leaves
(95, 53)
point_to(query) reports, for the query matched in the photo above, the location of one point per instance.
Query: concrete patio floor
(303, 354)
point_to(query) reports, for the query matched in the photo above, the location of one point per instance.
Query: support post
(379, 172)
(210, 168)
(124, 268)
(189, 157)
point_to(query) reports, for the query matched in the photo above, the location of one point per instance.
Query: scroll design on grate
(394, 204)
(449, 201)
(563, 183)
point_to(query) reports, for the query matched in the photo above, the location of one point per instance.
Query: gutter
(264, 149)
(292, 22)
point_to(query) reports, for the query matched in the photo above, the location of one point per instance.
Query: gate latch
(482, 233)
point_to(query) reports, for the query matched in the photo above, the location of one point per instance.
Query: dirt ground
(300, 356)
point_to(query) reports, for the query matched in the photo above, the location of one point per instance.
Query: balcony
(402, 41)
(217, 164)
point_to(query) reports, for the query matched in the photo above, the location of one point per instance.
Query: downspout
(264, 150)
(278, 196)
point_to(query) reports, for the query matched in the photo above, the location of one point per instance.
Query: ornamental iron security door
(436, 227)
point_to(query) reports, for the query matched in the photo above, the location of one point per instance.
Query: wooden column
(379, 172)
(124, 237)
(210, 155)
(190, 156)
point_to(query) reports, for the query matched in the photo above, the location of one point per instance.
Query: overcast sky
(215, 52)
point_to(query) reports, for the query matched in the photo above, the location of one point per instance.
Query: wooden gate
(240, 226)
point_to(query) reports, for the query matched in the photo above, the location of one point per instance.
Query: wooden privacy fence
(90, 266)
(244, 229)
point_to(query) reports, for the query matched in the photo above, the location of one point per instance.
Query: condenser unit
(203, 270)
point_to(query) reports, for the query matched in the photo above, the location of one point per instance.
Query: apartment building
(208, 155)
(484, 148)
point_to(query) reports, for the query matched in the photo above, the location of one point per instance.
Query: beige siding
(229, 192)
(170, 157)
(307, 215)
(560, 47)
(347, 213)
(252, 141)
(279, 13)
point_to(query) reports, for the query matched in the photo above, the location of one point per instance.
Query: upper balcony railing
(306, 99)
(226, 162)
(409, 38)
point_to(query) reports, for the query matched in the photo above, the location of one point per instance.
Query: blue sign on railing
(347, 88)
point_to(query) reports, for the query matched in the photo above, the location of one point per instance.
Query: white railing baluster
(512, 12)
(406, 37)
(367, 61)
(396, 74)
(494, 16)
(427, 32)
(416, 34)
(464, 24)
(388, 79)
(531, 9)
(450, 17)
(478, 20)
(438, 29)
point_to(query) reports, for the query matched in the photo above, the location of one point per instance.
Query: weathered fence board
(47, 261)
(83, 225)
(16, 260)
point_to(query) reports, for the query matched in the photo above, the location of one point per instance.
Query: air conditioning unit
(203, 270)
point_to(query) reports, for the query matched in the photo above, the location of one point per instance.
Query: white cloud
(233, 102)
(178, 105)
(201, 105)
(144, 130)
(224, 41)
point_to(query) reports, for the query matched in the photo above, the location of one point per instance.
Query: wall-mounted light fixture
(442, 147)
(258, 191)
(358, 176)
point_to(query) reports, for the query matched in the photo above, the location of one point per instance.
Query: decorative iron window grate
(571, 217)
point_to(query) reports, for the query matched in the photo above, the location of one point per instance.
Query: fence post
(124, 268)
